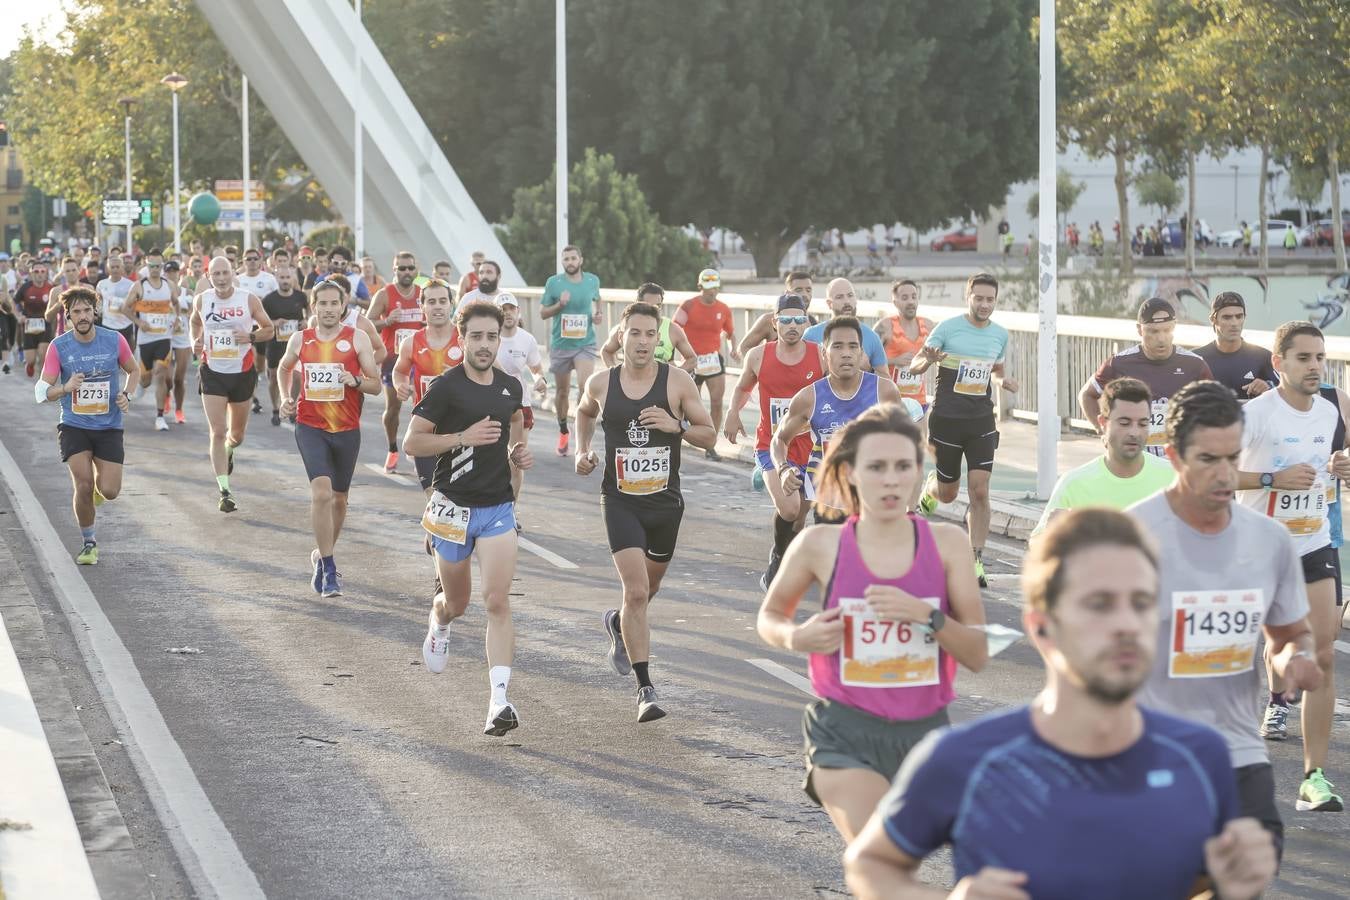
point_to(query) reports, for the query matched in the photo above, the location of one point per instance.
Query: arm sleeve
(727, 325)
(1105, 374)
(921, 805)
(123, 350)
(51, 365)
(550, 297)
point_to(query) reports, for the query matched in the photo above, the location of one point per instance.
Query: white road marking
(783, 674)
(210, 857)
(397, 477)
(546, 555)
(1343, 646)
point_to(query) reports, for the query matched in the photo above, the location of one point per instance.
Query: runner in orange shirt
(705, 320)
(428, 354)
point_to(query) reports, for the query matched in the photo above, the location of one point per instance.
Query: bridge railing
(1084, 341)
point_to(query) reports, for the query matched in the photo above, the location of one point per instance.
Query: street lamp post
(560, 114)
(248, 216)
(1235, 191)
(175, 82)
(358, 157)
(127, 103)
(1047, 342)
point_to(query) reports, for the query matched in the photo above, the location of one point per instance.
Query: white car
(1230, 238)
(1274, 227)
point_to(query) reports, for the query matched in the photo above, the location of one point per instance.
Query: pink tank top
(891, 670)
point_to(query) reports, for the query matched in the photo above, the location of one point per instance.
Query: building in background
(11, 194)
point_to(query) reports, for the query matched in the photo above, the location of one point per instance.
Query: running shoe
(928, 504)
(99, 499)
(168, 402)
(179, 417)
(1316, 794)
(276, 419)
(391, 462)
(436, 646)
(229, 458)
(501, 719)
(227, 504)
(5, 368)
(713, 455)
(316, 562)
(257, 407)
(1274, 726)
(89, 555)
(29, 370)
(648, 711)
(562, 440)
(160, 424)
(332, 584)
(979, 573)
(618, 653)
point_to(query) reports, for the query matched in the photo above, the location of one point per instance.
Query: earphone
(1040, 632)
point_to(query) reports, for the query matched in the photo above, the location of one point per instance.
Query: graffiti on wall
(1320, 299)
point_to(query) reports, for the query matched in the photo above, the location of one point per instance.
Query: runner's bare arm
(129, 306)
(403, 371)
(609, 354)
(731, 425)
(963, 636)
(378, 305)
(519, 453)
(285, 368)
(808, 561)
(876, 868)
(370, 372)
(1293, 653)
(195, 324)
(887, 392)
(688, 358)
(265, 329)
(796, 420)
(421, 439)
(1089, 401)
(924, 359)
(1005, 381)
(758, 333)
(588, 410)
(701, 431)
(376, 345)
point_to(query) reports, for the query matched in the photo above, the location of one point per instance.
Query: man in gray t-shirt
(1226, 575)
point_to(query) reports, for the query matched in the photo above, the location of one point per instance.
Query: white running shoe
(501, 719)
(436, 646)
(160, 424)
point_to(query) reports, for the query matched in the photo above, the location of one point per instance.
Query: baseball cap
(709, 278)
(172, 266)
(1154, 310)
(791, 301)
(505, 298)
(1225, 299)
(306, 251)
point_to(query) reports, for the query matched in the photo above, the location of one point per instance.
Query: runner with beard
(396, 312)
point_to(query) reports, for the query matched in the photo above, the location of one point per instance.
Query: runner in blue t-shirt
(1083, 793)
(969, 350)
(80, 370)
(572, 300)
(843, 301)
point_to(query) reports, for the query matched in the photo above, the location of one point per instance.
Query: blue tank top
(94, 406)
(833, 412)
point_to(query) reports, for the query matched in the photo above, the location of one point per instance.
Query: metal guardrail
(1084, 341)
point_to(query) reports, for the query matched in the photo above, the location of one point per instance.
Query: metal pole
(1235, 192)
(560, 115)
(248, 217)
(126, 123)
(1047, 398)
(177, 208)
(358, 142)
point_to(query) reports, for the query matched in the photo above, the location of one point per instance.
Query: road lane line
(1343, 646)
(783, 673)
(207, 851)
(397, 477)
(546, 555)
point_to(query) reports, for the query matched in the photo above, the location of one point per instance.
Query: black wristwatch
(1267, 479)
(936, 620)
(684, 426)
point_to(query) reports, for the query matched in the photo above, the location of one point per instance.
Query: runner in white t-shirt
(1288, 473)
(258, 282)
(519, 351)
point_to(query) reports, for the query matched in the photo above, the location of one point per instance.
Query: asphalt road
(341, 768)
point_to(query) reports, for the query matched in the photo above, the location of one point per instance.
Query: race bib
(409, 314)
(708, 364)
(445, 520)
(34, 325)
(642, 470)
(1214, 633)
(879, 653)
(425, 381)
(574, 327)
(157, 323)
(778, 407)
(1302, 512)
(1157, 424)
(909, 383)
(972, 377)
(401, 337)
(223, 343)
(285, 328)
(323, 382)
(92, 398)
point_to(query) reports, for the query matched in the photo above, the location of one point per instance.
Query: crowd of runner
(1207, 530)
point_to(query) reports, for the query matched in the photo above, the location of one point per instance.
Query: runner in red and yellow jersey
(396, 311)
(337, 367)
(429, 353)
(904, 334)
(705, 320)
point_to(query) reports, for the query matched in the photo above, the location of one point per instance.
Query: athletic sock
(393, 446)
(979, 553)
(562, 425)
(643, 679)
(87, 534)
(1277, 698)
(224, 482)
(499, 677)
(329, 565)
(783, 533)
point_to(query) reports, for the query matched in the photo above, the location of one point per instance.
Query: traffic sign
(117, 211)
(225, 184)
(254, 204)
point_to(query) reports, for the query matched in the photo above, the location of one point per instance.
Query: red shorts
(529, 418)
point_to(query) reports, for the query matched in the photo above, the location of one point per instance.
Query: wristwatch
(1267, 479)
(936, 620)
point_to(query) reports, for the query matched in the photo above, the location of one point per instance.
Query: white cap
(709, 278)
(506, 298)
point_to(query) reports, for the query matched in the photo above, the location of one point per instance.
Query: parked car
(1320, 233)
(1230, 238)
(1274, 227)
(1204, 235)
(960, 239)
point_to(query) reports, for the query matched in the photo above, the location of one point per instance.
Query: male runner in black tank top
(640, 494)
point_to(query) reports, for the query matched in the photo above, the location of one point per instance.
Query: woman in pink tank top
(902, 608)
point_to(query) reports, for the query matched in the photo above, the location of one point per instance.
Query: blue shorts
(484, 522)
(766, 462)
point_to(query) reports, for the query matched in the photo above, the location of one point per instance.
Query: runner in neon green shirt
(1125, 474)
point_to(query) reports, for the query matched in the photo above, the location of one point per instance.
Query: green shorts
(839, 736)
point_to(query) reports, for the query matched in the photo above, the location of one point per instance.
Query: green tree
(1307, 182)
(1155, 187)
(610, 220)
(1067, 192)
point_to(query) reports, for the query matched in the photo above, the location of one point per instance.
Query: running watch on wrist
(1267, 479)
(936, 620)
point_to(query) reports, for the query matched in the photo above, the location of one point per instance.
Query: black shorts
(274, 351)
(975, 439)
(387, 370)
(155, 351)
(652, 529)
(8, 328)
(104, 443)
(1322, 564)
(330, 454)
(426, 470)
(721, 370)
(1256, 798)
(234, 387)
(31, 341)
(129, 333)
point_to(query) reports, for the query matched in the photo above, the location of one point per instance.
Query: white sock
(499, 677)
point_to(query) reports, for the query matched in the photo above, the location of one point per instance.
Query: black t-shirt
(473, 476)
(286, 308)
(1239, 368)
